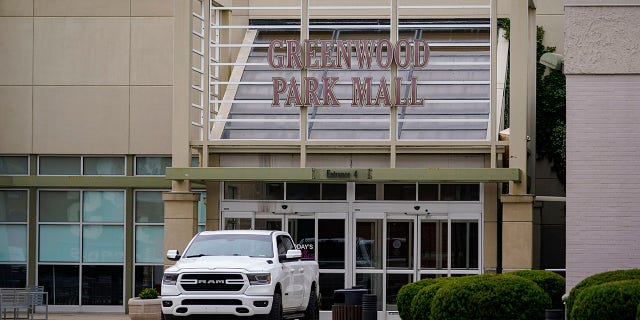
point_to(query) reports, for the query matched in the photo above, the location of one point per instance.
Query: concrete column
(180, 220)
(517, 232)
(519, 98)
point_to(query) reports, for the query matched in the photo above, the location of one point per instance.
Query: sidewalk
(84, 316)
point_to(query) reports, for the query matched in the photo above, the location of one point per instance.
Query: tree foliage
(551, 105)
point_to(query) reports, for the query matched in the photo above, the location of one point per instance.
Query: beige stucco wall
(602, 40)
(86, 76)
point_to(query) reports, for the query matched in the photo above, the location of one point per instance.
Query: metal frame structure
(209, 117)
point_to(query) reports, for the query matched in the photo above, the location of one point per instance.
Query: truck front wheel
(312, 312)
(276, 307)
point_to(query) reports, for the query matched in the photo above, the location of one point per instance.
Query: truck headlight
(259, 278)
(170, 279)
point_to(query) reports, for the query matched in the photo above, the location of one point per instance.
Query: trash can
(369, 307)
(347, 304)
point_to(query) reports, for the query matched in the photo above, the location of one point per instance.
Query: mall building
(129, 125)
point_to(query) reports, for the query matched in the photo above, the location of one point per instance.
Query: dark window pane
(464, 245)
(329, 282)
(331, 246)
(303, 191)
(394, 283)
(268, 224)
(103, 166)
(149, 207)
(148, 277)
(374, 283)
(61, 282)
(428, 192)
(59, 206)
(102, 285)
(13, 205)
(433, 245)
(365, 192)
(13, 275)
(152, 166)
(303, 233)
(399, 244)
(460, 192)
(253, 191)
(64, 166)
(368, 246)
(334, 191)
(405, 192)
(14, 165)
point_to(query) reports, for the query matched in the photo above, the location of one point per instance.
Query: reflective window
(13, 243)
(368, 248)
(59, 166)
(14, 205)
(59, 206)
(102, 243)
(149, 244)
(103, 206)
(237, 223)
(14, 165)
(103, 166)
(268, 224)
(149, 207)
(59, 243)
(152, 166)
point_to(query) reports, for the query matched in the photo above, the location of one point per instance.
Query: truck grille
(212, 282)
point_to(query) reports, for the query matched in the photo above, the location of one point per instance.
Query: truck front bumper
(233, 304)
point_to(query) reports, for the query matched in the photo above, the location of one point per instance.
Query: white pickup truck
(240, 273)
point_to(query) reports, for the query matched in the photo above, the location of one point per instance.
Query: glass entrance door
(320, 237)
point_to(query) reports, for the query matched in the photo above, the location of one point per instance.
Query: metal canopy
(346, 174)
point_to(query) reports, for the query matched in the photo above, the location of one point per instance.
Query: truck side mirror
(291, 255)
(173, 255)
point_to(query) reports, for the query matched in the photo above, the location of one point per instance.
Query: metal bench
(21, 303)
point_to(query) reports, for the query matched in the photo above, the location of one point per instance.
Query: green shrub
(616, 300)
(550, 282)
(406, 294)
(597, 279)
(489, 297)
(148, 293)
(638, 313)
(421, 304)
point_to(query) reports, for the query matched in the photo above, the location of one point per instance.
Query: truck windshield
(252, 245)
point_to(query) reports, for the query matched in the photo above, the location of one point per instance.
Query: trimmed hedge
(550, 282)
(489, 297)
(406, 294)
(638, 313)
(600, 278)
(616, 300)
(421, 304)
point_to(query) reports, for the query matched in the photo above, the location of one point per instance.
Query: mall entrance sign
(337, 55)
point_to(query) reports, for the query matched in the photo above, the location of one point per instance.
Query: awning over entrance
(346, 174)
